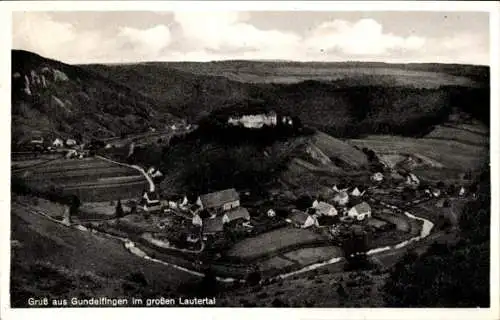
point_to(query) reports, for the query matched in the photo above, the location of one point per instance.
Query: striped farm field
(450, 153)
(90, 179)
(457, 134)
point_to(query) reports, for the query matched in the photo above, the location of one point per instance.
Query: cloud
(40, 33)
(149, 42)
(219, 31)
(362, 38)
(205, 36)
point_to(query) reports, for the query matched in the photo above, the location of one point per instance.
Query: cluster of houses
(208, 214)
(71, 146)
(323, 213)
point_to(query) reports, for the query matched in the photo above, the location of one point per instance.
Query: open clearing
(273, 241)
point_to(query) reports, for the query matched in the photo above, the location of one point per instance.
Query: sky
(119, 37)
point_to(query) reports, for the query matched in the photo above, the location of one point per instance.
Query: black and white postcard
(205, 156)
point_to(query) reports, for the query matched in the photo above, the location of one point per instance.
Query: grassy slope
(68, 262)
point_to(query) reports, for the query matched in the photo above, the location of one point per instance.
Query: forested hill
(343, 99)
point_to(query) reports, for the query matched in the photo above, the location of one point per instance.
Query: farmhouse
(461, 193)
(57, 143)
(197, 220)
(360, 211)
(341, 198)
(377, 177)
(70, 142)
(236, 214)
(325, 209)
(219, 201)
(151, 202)
(357, 192)
(301, 219)
(412, 180)
(436, 192)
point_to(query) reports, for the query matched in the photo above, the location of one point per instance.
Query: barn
(224, 200)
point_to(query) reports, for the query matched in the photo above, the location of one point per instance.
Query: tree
(119, 209)
(74, 205)
(208, 285)
(303, 202)
(254, 278)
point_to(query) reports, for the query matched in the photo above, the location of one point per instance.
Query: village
(209, 226)
(238, 227)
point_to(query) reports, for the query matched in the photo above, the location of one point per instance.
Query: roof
(213, 225)
(341, 195)
(298, 216)
(324, 207)
(217, 199)
(361, 208)
(238, 213)
(377, 223)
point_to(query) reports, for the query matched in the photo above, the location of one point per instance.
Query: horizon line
(254, 60)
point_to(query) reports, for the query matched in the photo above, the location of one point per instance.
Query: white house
(58, 143)
(377, 177)
(184, 202)
(70, 142)
(325, 209)
(360, 211)
(357, 193)
(197, 220)
(461, 193)
(341, 198)
(271, 213)
(412, 180)
(315, 204)
(436, 192)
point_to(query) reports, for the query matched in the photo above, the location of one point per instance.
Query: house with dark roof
(213, 225)
(326, 209)
(301, 219)
(236, 214)
(223, 200)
